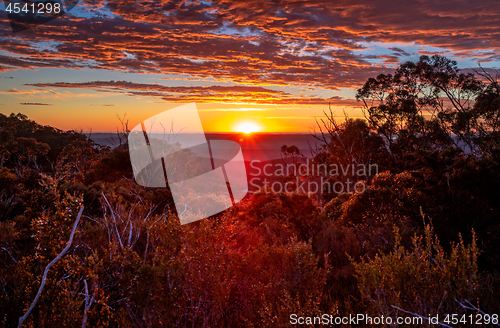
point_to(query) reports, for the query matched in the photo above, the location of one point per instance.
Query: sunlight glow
(247, 127)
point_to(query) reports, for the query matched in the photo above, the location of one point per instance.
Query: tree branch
(44, 277)
(474, 308)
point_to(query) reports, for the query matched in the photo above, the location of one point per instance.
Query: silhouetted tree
(427, 102)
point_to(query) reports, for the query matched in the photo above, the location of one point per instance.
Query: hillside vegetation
(423, 238)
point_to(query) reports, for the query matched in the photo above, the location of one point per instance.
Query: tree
(487, 114)
(346, 145)
(427, 102)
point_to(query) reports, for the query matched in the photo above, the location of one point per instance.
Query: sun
(247, 127)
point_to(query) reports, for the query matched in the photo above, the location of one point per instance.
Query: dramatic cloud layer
(330, 45)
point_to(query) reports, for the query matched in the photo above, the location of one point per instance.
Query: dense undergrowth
(423, 237)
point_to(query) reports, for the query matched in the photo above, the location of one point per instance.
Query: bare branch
(7, 251)
(87, 304)
(114, 220)
(44, 277)
(474, 308)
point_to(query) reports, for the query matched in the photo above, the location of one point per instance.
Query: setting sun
(247, 127)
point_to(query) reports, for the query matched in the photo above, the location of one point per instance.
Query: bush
(424, 280)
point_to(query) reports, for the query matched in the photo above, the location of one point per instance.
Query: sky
(275, 65)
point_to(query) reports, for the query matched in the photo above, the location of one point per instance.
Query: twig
(44, 277)
(474, 308)
(114, 219)
(7, 251)
(87, 304)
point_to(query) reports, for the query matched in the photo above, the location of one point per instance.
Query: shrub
(424, 280)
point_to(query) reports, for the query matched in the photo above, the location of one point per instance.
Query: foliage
(427, 104)
(132, 264)
(423, 280)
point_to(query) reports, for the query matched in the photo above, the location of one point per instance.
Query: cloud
(316, 44)
(399, 51)
(35, 104)
(232, 110)
(27, 92)
(194, 40)
(200, 94)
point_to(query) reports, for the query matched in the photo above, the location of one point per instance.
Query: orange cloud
(202, 94)
(310, 44)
